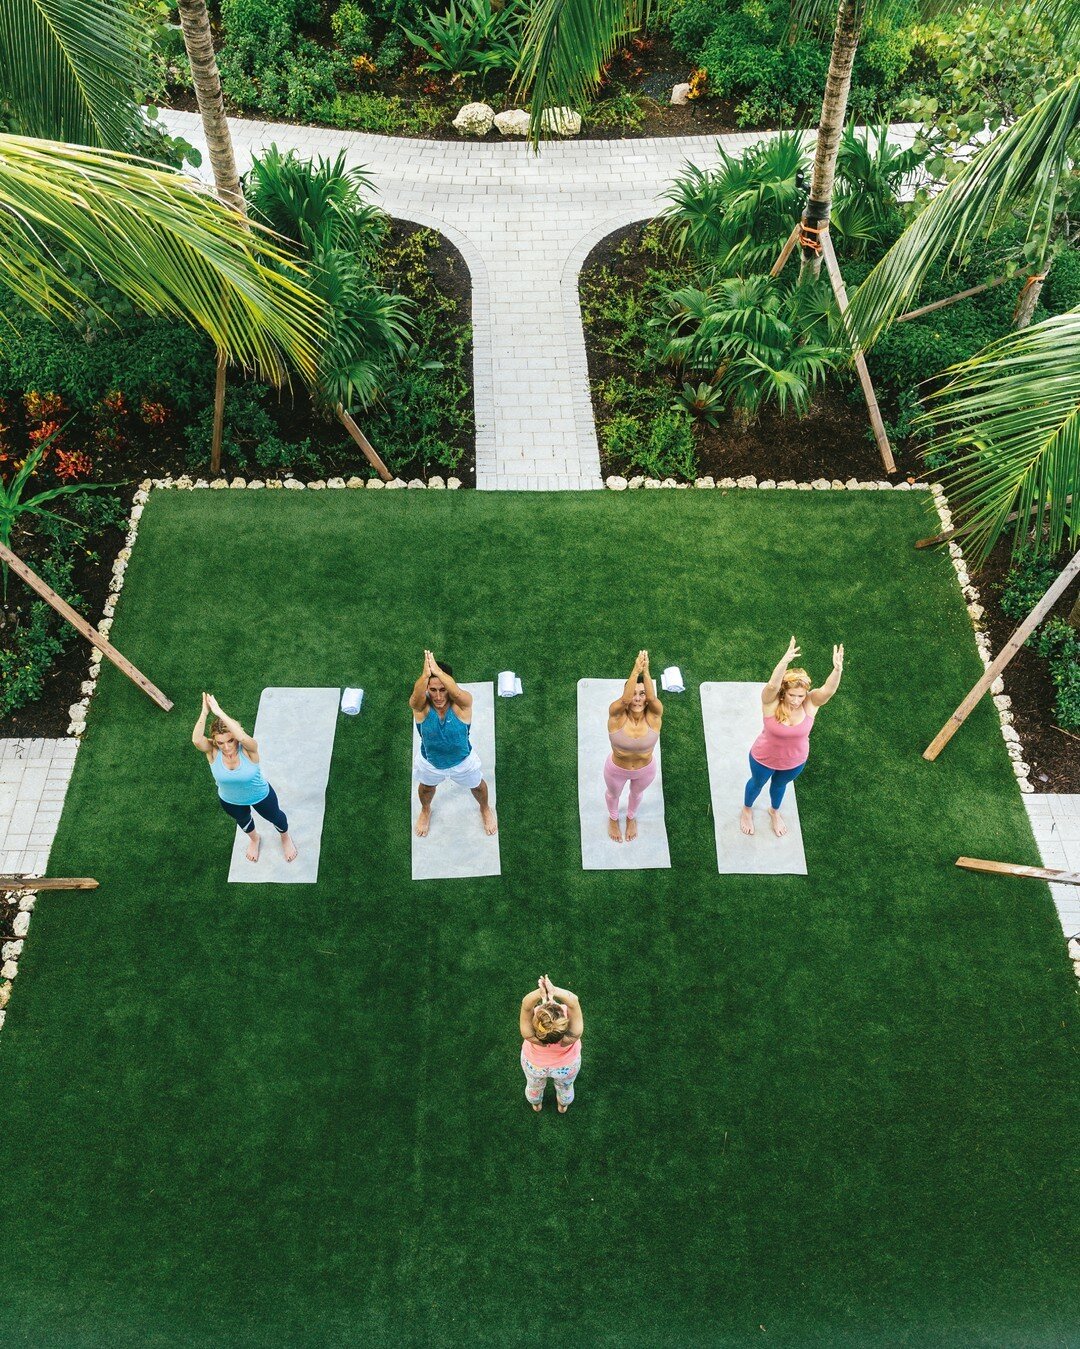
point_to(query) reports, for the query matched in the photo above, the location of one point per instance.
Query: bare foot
(613, 831)
(631, 830)
(779, 828)
(746, 820)
(491, 824)
(254, 843)
(288, 847)
(563, 1109)
(423, 824)
(539, 1107)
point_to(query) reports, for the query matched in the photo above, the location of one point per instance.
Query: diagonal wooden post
(786, 252)
(880, 434)
(1011, 647)
(1014, 869)
(369, 450)
(48, 883)
(34, 581)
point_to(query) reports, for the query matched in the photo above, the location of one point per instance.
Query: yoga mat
(598, 852)
(732, 716)
(295, 730)
(457, 844)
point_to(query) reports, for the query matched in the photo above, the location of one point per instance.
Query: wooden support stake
(951, 299)
(48, 883)
(34, 581)
(1011, 647)
(840, 292)
(786, 252)
(1012, 869)
(1011, 518)
(362, 440)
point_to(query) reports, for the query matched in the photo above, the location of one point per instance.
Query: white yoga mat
(598, 852)
(456, 844)
(732, 716)
(295, 730)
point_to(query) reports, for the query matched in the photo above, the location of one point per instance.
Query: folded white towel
(671, 681)
(351, 700)
(509, 684)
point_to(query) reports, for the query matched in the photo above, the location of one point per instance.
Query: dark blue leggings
(759, 775)
(268, 808)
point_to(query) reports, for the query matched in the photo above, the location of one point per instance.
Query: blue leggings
(268, 808)
(759, 775)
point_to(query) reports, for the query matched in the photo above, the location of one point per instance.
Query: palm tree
(68, 69)
(1012, 412)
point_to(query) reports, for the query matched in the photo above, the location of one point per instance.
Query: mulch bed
(1053, 754)
(833, 440)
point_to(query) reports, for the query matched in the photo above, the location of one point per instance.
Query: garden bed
(833, 440)
(1054, 754)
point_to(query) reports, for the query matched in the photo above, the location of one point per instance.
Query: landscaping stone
(513, 122)
(617, 483)
(680, 95)
(561, 121)
(474, 119)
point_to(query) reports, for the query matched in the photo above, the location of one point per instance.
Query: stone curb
(615, 483)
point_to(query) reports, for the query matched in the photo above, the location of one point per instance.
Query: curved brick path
(525, 224)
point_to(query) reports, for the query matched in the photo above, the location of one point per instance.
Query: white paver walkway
(1055, 821)
(34, 776)
(524, 223)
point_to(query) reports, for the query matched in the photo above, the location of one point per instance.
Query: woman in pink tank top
(551, 1025)
(789, 705)
(634, 721)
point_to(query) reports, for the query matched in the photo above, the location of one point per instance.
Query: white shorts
(468, 773)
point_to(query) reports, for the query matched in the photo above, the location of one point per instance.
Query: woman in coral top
(551, 1027)
(789, 706)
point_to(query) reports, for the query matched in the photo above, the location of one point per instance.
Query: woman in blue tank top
(234, 761)
(442, 711)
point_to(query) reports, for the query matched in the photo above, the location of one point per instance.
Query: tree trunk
(199, 43)
(831, 127)
(195, 22)
(1029, 298)
(1074, 615)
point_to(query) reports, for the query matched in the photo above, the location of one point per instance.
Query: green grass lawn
(834, 1109)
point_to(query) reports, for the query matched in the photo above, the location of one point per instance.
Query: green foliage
(745, 48)
(1059, 645)
(1062, 289)
(985, 68)
(737, 216)
(704, 403)
(26, 661)
(250, 435)
(390, 56)
(269, 66)
(870, 173)
(623, 111)
(382, 114)
(1025, 583)
(658, 446)
(351, 28)
(472, 38)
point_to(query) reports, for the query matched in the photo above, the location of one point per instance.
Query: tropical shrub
(26, 659)
(381, 114)
(250, 435)
(1059, 645)
(1025, 583)
(470, 39)
(351, 28)
(871, 172)
(1062, 289)
(268, 64)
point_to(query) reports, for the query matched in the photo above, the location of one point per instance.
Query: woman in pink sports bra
(633, 729)
(551, 1025)
(789, 706)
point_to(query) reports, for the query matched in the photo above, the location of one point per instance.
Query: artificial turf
(834, 1109)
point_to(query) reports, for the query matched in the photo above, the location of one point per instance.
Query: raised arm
(622, 703)
(418, 697)
(457, 695)
(573, 1007)
(198, 735)
(247, 743)
(652, 702)
(528, 1003)
(819, 697)
(771, 692)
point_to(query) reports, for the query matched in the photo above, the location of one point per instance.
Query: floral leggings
(536, 1080)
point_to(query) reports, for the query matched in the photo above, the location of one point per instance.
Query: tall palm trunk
(199, 42)
(1028, 301)
(849, 16)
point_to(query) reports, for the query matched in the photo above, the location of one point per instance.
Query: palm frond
(567, 43)
(1012, 414)
(159, 239)
(70, 69)
(1024, 163)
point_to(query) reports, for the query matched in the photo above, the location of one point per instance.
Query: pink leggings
(616, 778)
